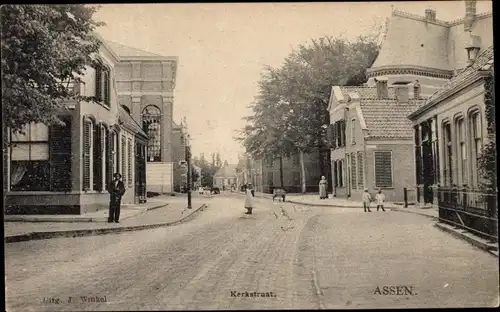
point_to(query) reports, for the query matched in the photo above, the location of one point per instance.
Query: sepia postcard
(249, 156)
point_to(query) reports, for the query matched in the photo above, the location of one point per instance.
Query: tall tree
(44, 48)
(290, 115)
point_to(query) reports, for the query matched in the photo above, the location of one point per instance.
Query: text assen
(254, 294)
(395, 290)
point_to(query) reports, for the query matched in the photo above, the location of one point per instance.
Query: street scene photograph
(249, 156)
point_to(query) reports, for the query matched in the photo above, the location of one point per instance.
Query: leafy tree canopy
(44, 47)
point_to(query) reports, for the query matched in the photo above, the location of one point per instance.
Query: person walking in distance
(380, 198)
(366, 200)
(116, 190)
(249, 199)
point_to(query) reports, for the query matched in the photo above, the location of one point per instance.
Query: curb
(139, 211)
(414, 212)
(393, 207)
(468, 238)
(94, 232)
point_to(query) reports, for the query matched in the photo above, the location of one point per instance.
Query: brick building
(451, 129)
(179, 156)
(65, 169)
(419, 56)
(145, 83)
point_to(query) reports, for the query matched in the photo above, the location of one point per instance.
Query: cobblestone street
(303, 257)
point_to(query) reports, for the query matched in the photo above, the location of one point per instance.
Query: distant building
(225, 177)
(179, 156)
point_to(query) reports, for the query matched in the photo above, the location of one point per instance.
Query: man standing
(116, 190)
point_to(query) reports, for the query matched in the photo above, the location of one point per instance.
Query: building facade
(450, 131)
(66, 169)
(225, 177)
(371, 140)
(419, 56)
(179, 157)
(146, 83)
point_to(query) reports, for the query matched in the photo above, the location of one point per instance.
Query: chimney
(402, 92)
(382, 91)
(470, 15)
(416, 90)
(472, 46)
(430, 15)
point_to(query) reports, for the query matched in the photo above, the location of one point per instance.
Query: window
(418, 155)
(335, 174)
(30, 166)
(103, 84)
(462, 152)
(342, 131)
(124, 160)
(97, 149)
(353, 131)
(340, 172)
(360, 170)
(353, 170)
(151, 123)
(87, 153)
(383, 168)
(269, 178)
(269, 161)
(129, 164)
(295, 160)
(448, 150)
(476, 141)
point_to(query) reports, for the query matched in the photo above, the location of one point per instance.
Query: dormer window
(103, 85)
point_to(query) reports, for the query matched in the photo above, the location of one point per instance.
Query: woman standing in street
(249, 199)
(322, 188)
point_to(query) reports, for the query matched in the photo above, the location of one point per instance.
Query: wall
(459, 104)
(178, 154)
(142, 83)
(403, 168)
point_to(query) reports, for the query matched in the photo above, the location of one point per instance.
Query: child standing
(366, 200)
(380, 198)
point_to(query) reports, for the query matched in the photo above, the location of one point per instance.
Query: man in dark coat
(116, 190)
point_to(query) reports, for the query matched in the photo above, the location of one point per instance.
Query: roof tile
(366, 92)
(388, 118)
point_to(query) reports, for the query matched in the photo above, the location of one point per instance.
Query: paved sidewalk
(127, 211)
(172, 211)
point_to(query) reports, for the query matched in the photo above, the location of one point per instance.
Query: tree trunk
(302, 171)
(281, 172)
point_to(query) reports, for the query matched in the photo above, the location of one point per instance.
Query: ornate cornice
(438, 22)
(409, 70)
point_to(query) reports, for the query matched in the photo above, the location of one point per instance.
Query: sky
(223, 48)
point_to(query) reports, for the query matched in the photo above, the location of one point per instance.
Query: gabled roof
(125, 51)
(483, 62)
(129, 122)
(226, 171)
(388, 118)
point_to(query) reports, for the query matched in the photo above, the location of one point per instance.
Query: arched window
(475, 139)
(151, 123)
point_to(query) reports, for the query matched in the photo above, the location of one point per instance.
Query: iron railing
(470, 210)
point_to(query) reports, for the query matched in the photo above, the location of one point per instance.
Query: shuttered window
(353, 170)
(129, 164)
(103, 85)
(87, 145)
(60, 156)
(98, 142)
(109, 157)
(383, 168)
(360, 170)
(124, 159)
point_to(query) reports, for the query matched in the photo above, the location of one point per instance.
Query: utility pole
(188, 160)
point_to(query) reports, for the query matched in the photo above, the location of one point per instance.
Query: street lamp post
(188, 160)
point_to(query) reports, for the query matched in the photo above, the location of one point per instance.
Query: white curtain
(17, 172)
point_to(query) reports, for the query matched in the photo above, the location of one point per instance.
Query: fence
(470, 210)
